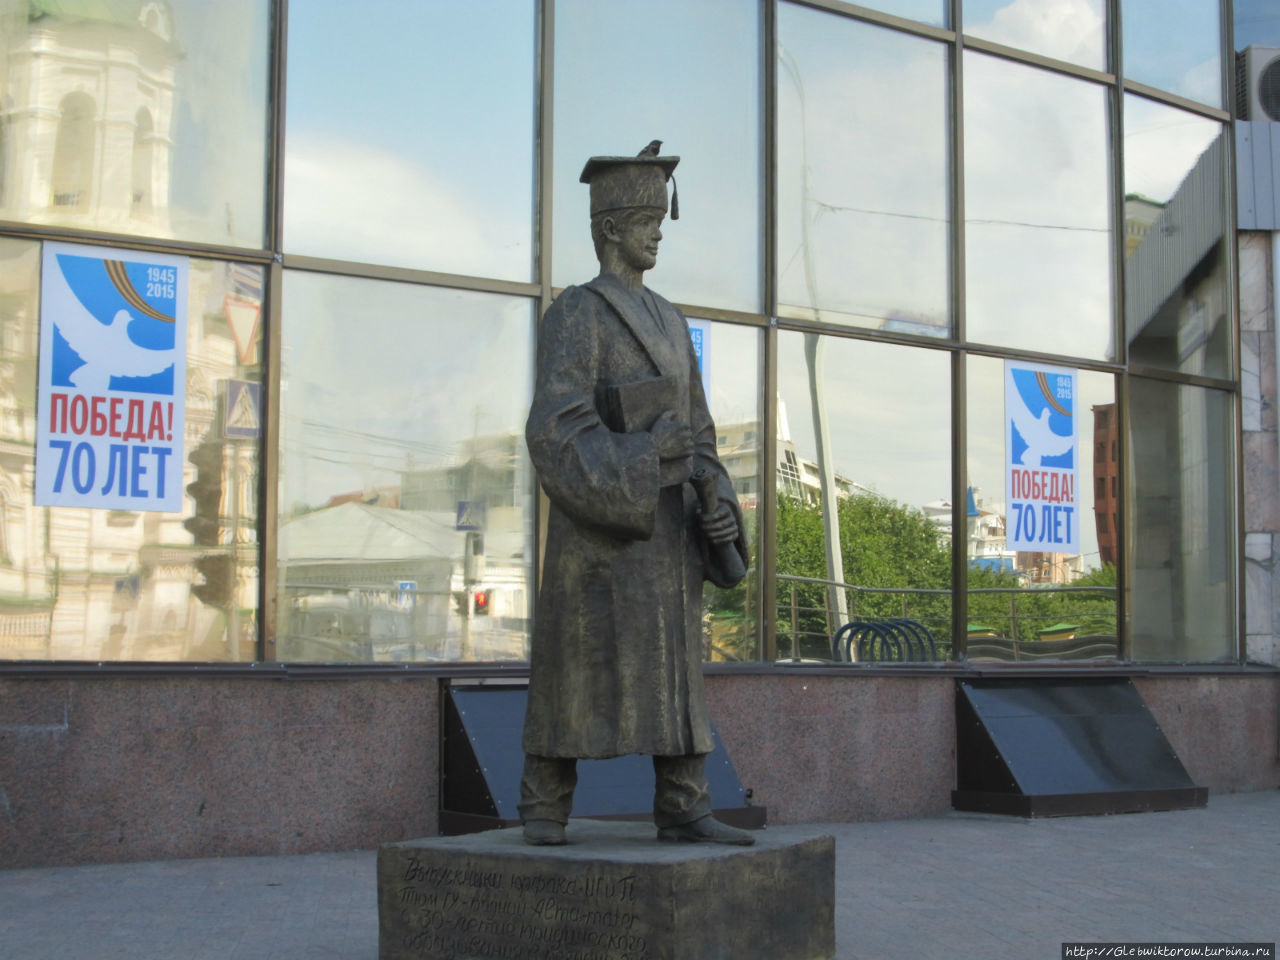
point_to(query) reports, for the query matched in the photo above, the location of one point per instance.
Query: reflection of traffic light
(482, 603)
(205, 523)
(219, 572)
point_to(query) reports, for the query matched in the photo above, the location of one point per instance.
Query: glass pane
(1182, 594)
(730, 358)
(1174, 45)
(405, 489)
(699, 92)
(1075, 32)
(1038, 223)
(146, 119)
(862, 175)
(419, 151)
(927, 11)
(1042, 604)
(96, 584)
(873, 418)
(1177, 312)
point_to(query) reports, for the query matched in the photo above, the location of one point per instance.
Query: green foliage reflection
(890, 547)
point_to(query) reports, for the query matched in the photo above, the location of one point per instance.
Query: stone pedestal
(612, 893)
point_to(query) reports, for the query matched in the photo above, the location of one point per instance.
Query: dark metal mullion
(1173, 100)
(1027, 57)
(183, 248)
(269, 440)
(1124, 505)
(854, 11)
(724, 316)
(372, 271)
(1227, 52)
(767, 553)
(959, 361)
(545, 121)
(1008, 353)
(1119, 327)
(269, 468)
(1186, 379)
(276, 130)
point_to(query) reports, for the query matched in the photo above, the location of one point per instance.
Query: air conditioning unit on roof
(1258, 83)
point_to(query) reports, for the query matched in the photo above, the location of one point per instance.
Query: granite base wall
(119, 769)
(836, 749)
(1226, 730)
(107, 770)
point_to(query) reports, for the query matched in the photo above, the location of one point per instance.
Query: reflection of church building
(90, 86)
(97, 107)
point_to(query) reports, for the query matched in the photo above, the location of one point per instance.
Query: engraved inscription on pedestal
(617, 895)
(467, 912)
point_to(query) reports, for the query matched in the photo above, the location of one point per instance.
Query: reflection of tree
(1030, 611)
(889, 545)
(885, 544)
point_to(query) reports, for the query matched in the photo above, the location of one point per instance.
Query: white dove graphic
(107, 351)
(1041, 441)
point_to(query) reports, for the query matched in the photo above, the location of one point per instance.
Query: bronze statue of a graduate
(618, 428)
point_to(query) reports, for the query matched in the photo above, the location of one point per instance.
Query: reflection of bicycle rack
(884, 641)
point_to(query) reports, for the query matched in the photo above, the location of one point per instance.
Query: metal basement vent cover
(1269, 89)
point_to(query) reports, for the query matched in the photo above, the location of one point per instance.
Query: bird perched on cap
(651, 150)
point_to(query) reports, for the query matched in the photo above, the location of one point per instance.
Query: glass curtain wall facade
(961, 275)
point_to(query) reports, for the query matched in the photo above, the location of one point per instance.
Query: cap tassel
(675, 199)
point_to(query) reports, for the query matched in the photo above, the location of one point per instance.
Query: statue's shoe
(543, 833)
(706, 830)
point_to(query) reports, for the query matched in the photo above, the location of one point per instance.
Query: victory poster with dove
(1042, 462)
(112, 394)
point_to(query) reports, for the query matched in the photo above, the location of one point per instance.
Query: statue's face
(637, 235)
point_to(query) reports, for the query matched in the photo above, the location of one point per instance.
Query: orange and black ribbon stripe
(120, 280)
(1042, 380)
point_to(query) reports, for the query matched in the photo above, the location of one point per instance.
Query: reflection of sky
(735, 369)
(1173, 45)
(220, 120)
(862, 221)
(684, 73)
(1161, 146)
(1073, 30)
(927, 11)
(1038, 255)
(986, 454)
(411, 134)
(887, 411)
(388, 375)
(1256, 22)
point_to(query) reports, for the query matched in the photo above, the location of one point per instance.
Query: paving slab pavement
(960, 886)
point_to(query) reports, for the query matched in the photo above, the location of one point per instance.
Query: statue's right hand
(673, 438)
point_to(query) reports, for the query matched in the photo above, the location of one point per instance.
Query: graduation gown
(616, 662)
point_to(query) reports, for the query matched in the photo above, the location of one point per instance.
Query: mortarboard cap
(639, 181)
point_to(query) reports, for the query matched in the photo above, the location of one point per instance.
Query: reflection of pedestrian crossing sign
(470, 515)
(242, 416)
(407, 589)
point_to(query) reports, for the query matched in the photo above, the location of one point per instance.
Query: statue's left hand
(719, 526)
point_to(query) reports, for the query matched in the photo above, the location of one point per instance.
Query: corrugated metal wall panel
(1258, 174)
(1188, 228)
